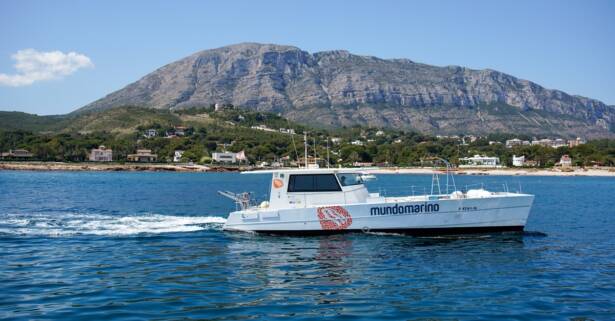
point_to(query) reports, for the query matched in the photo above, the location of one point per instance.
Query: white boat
(325, 201)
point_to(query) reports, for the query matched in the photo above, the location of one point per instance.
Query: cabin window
(313, 183)
(349, 179)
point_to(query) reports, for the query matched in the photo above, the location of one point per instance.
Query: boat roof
(303, 170)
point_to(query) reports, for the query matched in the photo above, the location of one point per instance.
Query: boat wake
(66, 224)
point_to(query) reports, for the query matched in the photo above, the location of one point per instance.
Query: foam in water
(61, 224)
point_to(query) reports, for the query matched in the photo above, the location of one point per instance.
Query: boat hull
(405, 231)
(506, 213)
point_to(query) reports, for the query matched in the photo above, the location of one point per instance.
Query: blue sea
(149, 246)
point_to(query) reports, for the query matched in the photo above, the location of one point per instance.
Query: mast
(315, 163)
(328, 163)
(305, 146)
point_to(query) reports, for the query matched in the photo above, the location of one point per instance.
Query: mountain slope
(337, 88)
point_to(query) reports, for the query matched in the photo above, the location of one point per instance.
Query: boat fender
(365, 229)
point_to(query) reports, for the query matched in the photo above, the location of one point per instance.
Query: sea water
(119, 245)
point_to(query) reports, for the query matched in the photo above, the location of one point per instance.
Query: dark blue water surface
(93, 246)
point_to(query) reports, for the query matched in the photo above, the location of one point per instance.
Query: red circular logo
(334, 218)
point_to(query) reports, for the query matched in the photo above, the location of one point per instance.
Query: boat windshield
(349, 179)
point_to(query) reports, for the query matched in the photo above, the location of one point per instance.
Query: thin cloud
(33, 66)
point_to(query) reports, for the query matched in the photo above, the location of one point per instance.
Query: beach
(504, 171)
(61, 166)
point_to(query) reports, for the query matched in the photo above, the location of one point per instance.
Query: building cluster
(521, 161)
(176, 131)
(546, 142)
(481, 161)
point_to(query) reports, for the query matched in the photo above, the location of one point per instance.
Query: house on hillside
(180, 131)
(150, 133)
(287, 131)
(545, 142)
(263, 128)
(513, 142)
(558, 142)
(101, 154)
(576, 142)
(143, 156)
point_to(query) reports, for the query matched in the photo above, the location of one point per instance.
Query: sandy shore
(58, 166)
(505, 171)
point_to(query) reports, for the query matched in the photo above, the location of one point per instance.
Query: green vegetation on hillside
(70, 138)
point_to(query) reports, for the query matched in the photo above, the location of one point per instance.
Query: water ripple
(142, 249)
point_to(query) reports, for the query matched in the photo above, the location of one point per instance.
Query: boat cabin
(298, 188)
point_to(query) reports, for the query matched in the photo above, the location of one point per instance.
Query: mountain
(337, 88)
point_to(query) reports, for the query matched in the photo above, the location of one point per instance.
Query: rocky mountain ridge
(337, 88)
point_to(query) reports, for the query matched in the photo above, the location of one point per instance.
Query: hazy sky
(56, 56)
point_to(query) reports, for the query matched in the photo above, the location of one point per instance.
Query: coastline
(112, 167)
(135, 167)
(603, 172)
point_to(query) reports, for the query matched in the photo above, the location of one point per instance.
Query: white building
(543, 142)
(263, 128)
(287, 131)
(229, 157)
(357, 143)
(513, 142)
(101, 154)
(518, 161)
(224, 157)
(479, 161)
(379, 133)
(150, 133)
(177, 156)
(565, 161)
(557, 143)
(336, 140)
(576, 142)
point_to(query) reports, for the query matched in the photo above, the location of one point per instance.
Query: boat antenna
(292, 138)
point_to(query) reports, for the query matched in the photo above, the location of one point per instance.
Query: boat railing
(243, 200)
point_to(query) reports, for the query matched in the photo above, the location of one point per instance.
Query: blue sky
(567, 45)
